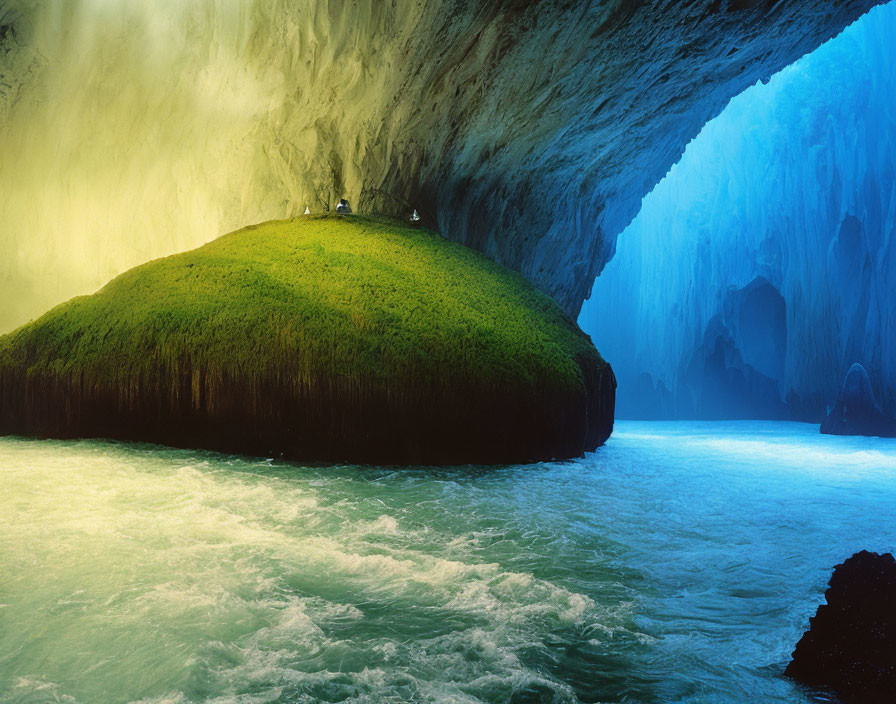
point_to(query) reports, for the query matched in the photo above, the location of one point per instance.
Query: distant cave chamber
(733, 373)
(763, 266)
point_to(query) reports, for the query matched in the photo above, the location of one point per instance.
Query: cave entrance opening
(763, 266)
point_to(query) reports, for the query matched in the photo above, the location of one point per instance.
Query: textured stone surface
(794, 184)
(527, 130)
(851, 641)
(856, 411)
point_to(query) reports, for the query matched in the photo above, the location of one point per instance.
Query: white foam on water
(678, 563)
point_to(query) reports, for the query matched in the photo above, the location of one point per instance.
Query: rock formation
(772, 240)
(850, 646)
(343, 338)
(527, 130)
(856, 412)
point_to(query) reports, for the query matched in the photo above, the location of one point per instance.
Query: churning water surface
(679, 563)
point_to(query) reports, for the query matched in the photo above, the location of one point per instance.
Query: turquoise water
(679, 563)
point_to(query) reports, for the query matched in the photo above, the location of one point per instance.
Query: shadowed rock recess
(528, 131)
(325, 338)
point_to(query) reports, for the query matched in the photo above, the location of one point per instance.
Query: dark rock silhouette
(850, 646)
(856, 411)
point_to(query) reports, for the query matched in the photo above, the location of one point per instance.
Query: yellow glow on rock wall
(130, 129)
(133, 130)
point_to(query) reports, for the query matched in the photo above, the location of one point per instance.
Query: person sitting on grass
(343, 207)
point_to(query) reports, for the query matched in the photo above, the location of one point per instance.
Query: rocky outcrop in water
(340, 338)
(850, 646)
(527, 130)
(856, 411)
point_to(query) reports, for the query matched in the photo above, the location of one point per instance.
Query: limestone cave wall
(529, 131)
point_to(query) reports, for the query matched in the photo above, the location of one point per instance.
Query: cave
(791, 185)
(447, 351)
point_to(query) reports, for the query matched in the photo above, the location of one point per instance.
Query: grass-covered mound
(330, 338)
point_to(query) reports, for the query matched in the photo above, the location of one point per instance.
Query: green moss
(332, 316)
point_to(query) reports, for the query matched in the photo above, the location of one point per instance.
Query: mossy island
(331, 338)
